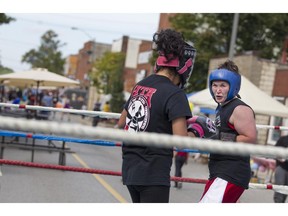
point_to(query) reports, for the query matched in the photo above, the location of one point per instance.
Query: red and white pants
(218, 190)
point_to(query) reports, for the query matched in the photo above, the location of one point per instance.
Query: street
(36, 185)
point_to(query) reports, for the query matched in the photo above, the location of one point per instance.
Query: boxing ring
(81, 134)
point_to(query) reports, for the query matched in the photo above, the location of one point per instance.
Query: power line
(64, 26)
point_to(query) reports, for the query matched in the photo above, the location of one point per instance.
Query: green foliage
(107, 74)
(211, 35)
(4, 19)
(5, 70)
(47, 55)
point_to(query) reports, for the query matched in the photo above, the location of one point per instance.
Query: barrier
(16, 143)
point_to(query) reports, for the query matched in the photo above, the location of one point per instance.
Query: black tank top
(232, 168)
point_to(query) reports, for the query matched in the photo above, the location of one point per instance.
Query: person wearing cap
(157, 104)
(229, 175)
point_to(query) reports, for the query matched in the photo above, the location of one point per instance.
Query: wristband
(227, 136)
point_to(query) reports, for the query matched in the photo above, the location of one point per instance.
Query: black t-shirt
(282, 142)
(232, 168)
(153, 104)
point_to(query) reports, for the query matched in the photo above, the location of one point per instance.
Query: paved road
(35, 185)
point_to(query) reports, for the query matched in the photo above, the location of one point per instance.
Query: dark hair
(229, 65)
(169, 43)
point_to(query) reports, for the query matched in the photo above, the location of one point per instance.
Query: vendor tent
(261, 102)
(36, 77)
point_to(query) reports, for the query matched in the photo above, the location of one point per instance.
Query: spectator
(96, 119)
(281, 171)
(181, 158)
(106, 107)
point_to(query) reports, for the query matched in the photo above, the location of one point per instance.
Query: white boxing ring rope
(143, 138)
(100, 114)
(151, 139)
(277, 188)
(66, 110)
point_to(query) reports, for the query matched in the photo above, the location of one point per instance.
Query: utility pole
(233, 36)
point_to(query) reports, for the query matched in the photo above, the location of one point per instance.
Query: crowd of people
(30, 96)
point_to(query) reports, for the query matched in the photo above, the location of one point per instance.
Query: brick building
(138, 54)
(86, 56)
(137, 64)
(164, 20)
(271, 77)
(70, 66)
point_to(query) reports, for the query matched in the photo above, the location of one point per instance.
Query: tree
(107, 74)
(4, 19)
(5, 70)
(47, 55)
(211, 33)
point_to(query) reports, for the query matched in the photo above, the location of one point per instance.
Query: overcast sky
(17, 38)
(103, 22)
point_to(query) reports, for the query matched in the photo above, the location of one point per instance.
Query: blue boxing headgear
(233, 78)
(183, 66)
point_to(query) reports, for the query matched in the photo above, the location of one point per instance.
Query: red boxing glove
(201, 126)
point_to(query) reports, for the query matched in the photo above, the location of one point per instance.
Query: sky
(103, 22)
(24, 34)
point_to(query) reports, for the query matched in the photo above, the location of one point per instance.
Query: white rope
(283, 189)
(151, 139)
(143, 138)
(66, 110)
(100, 114)
(272, 127)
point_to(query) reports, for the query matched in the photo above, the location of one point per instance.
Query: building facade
(70, 66)
(86, 57)
(137, 64)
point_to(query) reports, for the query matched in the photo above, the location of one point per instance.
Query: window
(274, 135)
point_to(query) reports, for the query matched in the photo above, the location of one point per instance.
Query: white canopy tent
(261, 102)
(36, 77)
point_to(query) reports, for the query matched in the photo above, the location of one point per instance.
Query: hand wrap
(227, 137)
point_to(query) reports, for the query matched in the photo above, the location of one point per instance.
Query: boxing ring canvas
(261, 102)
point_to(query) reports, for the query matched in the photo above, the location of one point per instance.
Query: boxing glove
(201, 126)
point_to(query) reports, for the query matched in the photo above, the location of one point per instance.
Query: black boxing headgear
(183, 65)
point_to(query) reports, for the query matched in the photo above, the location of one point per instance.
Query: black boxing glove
(201, 126)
